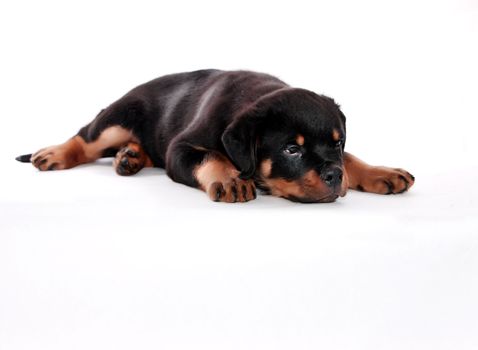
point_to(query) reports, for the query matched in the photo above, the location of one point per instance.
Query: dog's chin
(329, 199)
(326, 199)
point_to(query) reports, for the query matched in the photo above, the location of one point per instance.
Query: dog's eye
(339, 143)
(292, 150)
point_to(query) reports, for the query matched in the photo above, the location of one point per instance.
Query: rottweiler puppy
(226, 133)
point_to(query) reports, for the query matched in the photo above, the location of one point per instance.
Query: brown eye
(339, 143)
(292, 150)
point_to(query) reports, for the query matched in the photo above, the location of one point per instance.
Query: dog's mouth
(330, 198)
(340, 190)
(306, 194)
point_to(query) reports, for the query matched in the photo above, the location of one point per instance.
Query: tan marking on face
(335, 135)
(266, 167)
(214, 168)
(315, 187)
(300, 140)
(312, 179)
(310, 187)
(285, 188)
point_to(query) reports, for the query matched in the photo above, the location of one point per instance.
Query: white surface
(91, 260)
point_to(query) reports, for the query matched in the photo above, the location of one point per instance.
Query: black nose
(332, 176)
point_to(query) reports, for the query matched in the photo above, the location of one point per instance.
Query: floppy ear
(241, 137)
(240, 141)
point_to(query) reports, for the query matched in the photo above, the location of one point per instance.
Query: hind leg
(131, 159)
(77, 151)
(111, 130)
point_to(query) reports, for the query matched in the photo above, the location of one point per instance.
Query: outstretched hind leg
(77, 151)
(112, 129)
(131, 159)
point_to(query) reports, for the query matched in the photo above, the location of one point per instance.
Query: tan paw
(64, 156)
(51, 158)
(234, 190)
(383, 180)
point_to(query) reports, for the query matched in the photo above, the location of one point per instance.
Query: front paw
(231, 191)
(383, 180)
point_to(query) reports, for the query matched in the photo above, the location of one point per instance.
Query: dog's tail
(24, 158)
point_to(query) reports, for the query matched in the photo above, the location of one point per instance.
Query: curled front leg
(209, 171)
(220, 180)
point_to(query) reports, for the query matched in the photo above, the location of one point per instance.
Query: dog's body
(226, 132)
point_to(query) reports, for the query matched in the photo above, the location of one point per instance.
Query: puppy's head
(292, 143)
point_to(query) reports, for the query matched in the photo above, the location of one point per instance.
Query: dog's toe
(383, 180)
(232, 191)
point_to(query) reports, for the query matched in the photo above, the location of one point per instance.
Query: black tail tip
(24, 158)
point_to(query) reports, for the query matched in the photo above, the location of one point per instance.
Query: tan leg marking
(220, 180)
(376, 179)
(76, 151)
(131, 159)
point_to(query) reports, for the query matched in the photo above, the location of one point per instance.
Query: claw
(390, 187)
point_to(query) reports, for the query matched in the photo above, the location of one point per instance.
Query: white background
(91, 260)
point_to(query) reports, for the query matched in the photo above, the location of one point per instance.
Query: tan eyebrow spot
(282, 188)
(336, 135)
(300, 140)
